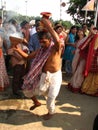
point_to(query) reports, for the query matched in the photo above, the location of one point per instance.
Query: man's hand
(20, 51)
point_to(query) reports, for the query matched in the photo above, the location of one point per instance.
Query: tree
(66, 24)
(78, 15)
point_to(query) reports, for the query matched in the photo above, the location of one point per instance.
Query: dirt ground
(73, 112)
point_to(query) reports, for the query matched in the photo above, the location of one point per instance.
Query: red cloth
(90, 54)
(0, 52)
(87, 51)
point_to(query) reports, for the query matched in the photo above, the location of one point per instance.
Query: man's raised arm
(51, 30)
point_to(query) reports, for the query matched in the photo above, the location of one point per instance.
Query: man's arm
(25, 55)
(21, 52)
(51, 31)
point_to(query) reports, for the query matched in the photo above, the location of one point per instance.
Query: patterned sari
(4, 80)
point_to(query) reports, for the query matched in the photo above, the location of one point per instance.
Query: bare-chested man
(51, 76)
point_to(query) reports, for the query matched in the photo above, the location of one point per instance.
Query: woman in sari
(69, 50)
(85, 65)
(90, 83)
(4, 80)
(77, 64)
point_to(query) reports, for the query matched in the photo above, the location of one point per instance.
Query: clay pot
(46, 14)
(15, 40)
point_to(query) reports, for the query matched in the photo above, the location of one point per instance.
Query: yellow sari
(90, 84)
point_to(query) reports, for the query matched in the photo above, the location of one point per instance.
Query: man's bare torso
(53, 64)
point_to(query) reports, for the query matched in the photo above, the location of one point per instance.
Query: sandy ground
(73, 112)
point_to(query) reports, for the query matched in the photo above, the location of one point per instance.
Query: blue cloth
(34, 43)
(68, 53)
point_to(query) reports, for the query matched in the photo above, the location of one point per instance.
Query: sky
(35, 7)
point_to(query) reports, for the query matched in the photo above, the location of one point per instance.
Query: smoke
(11, 30)
(11, 15)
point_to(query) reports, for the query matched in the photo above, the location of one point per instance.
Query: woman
(4, 80)
(77, 64)
(69, 49)
(90, 83)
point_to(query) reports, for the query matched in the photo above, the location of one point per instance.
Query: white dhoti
(49, 86)
(52, 81)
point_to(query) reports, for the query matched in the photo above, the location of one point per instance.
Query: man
(34, 44)
(33, 24)
(25, 30)
(48, 65)
(85, 29)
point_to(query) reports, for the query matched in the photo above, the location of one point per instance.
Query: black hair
(12, 21)
(58, 26)
(72, 27)
(77, 37)
(84, 24)
(44, 34)
(23, 23)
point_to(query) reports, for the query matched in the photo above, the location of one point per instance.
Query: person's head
(93, 29)
(84, 26)
(44, 38)
(38, 26)
(73, 29)
(24, 24)
(13, 21)
(80, 34)
(58, 28)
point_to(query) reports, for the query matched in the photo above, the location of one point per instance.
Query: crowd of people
(45, 49)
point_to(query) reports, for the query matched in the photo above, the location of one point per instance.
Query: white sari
(77, 70)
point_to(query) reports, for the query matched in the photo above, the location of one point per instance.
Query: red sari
(90, 84)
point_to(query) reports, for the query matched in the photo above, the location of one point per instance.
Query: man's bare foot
(47, 116)
(35, 105)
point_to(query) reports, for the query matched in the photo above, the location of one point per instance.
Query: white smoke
(10, 30)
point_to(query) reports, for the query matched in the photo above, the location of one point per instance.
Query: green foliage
(75, 10)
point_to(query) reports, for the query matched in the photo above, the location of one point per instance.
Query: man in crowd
(45, 71)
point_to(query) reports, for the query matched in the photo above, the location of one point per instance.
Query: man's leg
(50, 107)
(36, 103)
(53, 92)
